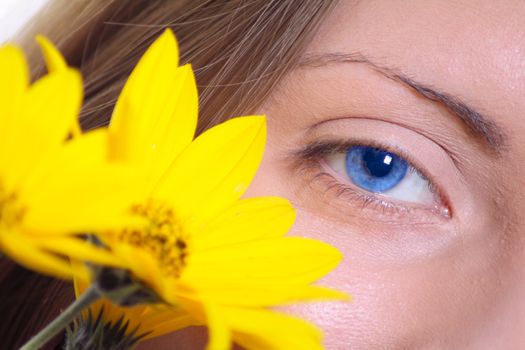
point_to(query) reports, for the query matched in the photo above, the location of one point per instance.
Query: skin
(419, 279)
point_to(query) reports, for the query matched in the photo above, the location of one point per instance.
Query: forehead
(474, 49)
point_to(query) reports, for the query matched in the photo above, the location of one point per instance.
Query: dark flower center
(162, 237)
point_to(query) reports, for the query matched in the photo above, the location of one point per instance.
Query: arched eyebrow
(482, 126)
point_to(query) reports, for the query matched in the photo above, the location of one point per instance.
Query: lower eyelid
(350, 204)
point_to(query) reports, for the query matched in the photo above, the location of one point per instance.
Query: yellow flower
(217, 259)
(51, 189)
(146, 321)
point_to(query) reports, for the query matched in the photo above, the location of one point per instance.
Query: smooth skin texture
(420, 279)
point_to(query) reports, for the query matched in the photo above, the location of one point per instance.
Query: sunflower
(51, 186)
(211, 256)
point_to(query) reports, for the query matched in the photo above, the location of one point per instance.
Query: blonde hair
(239, 49)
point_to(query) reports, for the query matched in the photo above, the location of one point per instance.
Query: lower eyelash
(365, 200)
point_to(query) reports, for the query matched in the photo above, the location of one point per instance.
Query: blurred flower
(215, 258)
(52, 187)
(136, 323)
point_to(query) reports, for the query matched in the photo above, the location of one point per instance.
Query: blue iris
(374, 169)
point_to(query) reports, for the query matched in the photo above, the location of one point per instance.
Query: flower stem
(90, 295)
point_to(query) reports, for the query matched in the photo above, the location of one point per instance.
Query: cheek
(428, 302)
(440, 298)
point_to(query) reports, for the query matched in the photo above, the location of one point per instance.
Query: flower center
(163, 236)
(11, 213)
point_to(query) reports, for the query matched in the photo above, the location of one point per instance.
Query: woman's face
(435, 258)
(400, 139)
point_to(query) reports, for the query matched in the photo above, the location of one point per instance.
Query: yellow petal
(215, 170)
(266, 330)
(81, 277)
(76, 190)
(14, 77)
(156, 114)
(169, 326)
(218, 332)
(62, 206)
(24, 252)
(212, 316)
(143, 266)
(247, 220)
(14, 80)
(161, 320)
(160, 313)
(281, 261)
(49, 109)
(55, 63)
(88, 150)
(78, 249)
(50, 105)
(54, 60)
(176, 124)
(239, 295)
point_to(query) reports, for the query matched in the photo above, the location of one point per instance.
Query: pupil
(378, 163)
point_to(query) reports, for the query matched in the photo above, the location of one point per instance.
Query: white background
(14, 13)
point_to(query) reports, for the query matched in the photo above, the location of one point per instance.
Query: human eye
(369, 174)
(377, 170)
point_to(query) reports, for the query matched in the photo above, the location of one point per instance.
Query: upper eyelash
(315, 151)
(320, 148)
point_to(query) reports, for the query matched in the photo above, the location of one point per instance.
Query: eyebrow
(482, 126)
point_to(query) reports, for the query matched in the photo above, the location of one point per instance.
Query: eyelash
(312, 158)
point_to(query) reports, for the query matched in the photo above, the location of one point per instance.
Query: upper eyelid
(324, 147)
(454, 156)
(482, 126)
